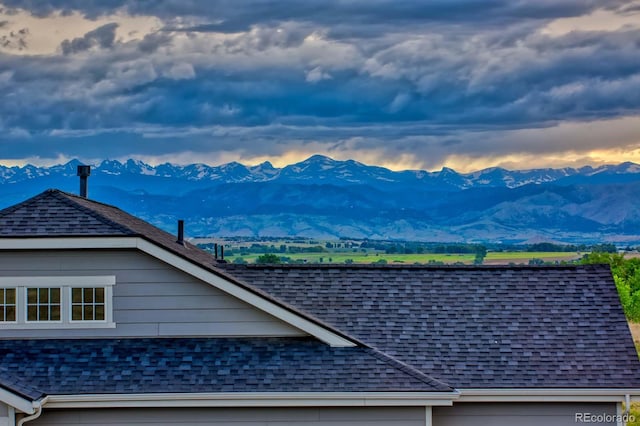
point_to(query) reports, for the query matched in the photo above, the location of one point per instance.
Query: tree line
(626, 274)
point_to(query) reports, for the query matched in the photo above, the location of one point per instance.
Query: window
(56, 302)
(7, 304)
(87, 304)
(43, 304)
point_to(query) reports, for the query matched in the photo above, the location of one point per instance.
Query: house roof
(55, 213)
(470, 327)
(193, 365)
(473, 327)
(18, 386)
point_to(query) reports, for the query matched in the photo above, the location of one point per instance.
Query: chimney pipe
(84, 172)
(221, 260)
(215, 250)
(180, 232)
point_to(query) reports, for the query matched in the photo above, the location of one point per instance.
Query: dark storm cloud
(103, 37)
(267, 77)
(152, 42)
(231, 16)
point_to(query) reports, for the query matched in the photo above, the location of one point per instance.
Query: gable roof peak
(56, 213)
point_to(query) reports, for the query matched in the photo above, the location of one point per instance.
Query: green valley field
(313, 251)
(468, 258)
(305, 250)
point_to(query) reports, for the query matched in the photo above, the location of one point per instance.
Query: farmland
(491, 258)
(310, 251)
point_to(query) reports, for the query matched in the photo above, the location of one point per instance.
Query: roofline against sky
(308, 325)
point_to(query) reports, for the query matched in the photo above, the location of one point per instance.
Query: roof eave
(18, 401)
(224, 282)
(548, 394)
(268, 399)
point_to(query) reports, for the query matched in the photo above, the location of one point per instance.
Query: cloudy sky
(466, 84)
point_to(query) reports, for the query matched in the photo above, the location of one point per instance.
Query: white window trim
(65, 283)
(327, 335)
(15, 321)
(21, 298)
(69, 296)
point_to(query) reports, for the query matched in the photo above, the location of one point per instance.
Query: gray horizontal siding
(394, 416)
(521, 414)
(151, 298)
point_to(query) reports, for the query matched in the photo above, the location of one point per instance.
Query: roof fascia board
(253, 299)
(546, 395)
(63, 243)
(17, 402)
(160, 253)
(288, 399)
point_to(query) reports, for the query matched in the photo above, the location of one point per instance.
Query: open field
(364, 251)
(370, 257)
(499, 258)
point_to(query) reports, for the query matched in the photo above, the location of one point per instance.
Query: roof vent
(84, 172)
(180, 239)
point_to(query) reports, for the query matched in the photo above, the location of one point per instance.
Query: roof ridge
(406, 368)
(69, 198)
(76, 196)
(133, 226)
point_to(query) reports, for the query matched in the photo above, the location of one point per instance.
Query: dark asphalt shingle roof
(220, 365)
(54, 213)
(473, 327)
(17, 385)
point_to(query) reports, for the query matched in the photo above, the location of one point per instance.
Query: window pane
(55, 313)
(100, 295)
(88, 313)
(2, 318)
(88, 295)
(11, 313)
(32, 313)
(1, 294)
(11, 296)
(76, 295)
(44, 295)
(32, 295)
(100, 312)
(55, 295)
(44, 313)
(76, 313)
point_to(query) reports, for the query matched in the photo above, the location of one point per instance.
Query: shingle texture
(473, 327)
(11, 382)
(55, 213)
(469, 327)
(103, 366)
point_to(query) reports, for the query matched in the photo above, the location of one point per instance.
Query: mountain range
(324, 198)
